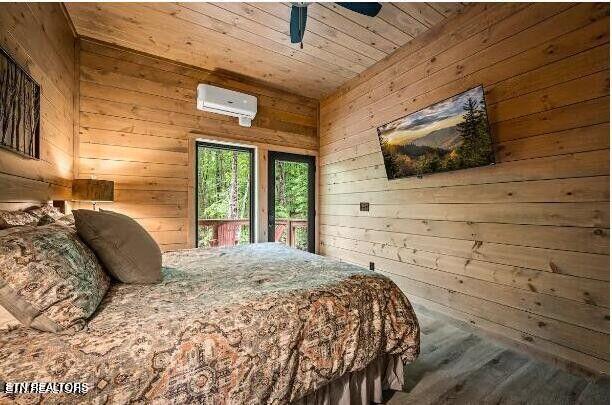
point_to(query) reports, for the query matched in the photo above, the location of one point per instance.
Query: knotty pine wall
(520, 249)
(138, 120)
(39, 37)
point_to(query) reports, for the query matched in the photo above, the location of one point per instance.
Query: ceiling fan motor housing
(299, 13)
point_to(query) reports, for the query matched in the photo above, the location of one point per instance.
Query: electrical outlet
(364, 206)
(372, 266)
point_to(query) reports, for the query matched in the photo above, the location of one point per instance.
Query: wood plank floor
(459, 366)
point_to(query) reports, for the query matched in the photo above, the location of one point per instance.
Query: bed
(249, 324)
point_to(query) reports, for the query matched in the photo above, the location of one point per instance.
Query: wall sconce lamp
(93, 190)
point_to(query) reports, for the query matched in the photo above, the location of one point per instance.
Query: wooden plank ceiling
(252, 39)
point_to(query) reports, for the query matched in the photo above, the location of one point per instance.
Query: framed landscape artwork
(19, 109)
(450, 135)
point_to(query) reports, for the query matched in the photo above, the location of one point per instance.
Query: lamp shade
(93, 190)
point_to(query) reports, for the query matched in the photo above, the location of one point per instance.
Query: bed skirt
(360, 387)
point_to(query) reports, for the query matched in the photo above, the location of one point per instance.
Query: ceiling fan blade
(369, 9)
(297, 24)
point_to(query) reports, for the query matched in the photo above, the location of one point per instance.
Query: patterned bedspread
(250, 324)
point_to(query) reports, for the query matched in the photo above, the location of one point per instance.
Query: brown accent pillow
(124, 247)
(49, 279)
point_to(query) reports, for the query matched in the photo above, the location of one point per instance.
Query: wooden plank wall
(138, 119)
(40, 38)
(520, 249)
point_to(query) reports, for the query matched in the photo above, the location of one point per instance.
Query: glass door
(291, 200)
(224, 195)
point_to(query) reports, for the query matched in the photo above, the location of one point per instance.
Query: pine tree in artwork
(471, 119)
(476, 147)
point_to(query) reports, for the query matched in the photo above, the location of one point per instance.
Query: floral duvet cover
(250, 324)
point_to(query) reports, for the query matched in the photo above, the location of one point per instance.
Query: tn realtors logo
(43, 387)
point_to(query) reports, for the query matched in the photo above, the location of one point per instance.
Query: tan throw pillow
(125, 249)
(49, 279)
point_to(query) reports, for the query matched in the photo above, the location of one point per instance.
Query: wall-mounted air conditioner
(227, 102)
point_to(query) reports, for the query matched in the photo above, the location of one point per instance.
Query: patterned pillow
(45, 220)
(67, 220)
(49, 279)
(7, 321)
(9, 219)
(45, 211)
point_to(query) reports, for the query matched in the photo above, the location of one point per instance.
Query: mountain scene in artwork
(450, 135)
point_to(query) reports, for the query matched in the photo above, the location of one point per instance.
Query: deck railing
(291, 225)
(225, 231)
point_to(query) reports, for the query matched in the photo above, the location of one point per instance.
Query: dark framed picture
(452, 134)
(19, 109)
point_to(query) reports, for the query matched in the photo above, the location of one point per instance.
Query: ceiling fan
(299, 12)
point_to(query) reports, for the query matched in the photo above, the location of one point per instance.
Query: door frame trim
(252, 185)
(293, 157)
